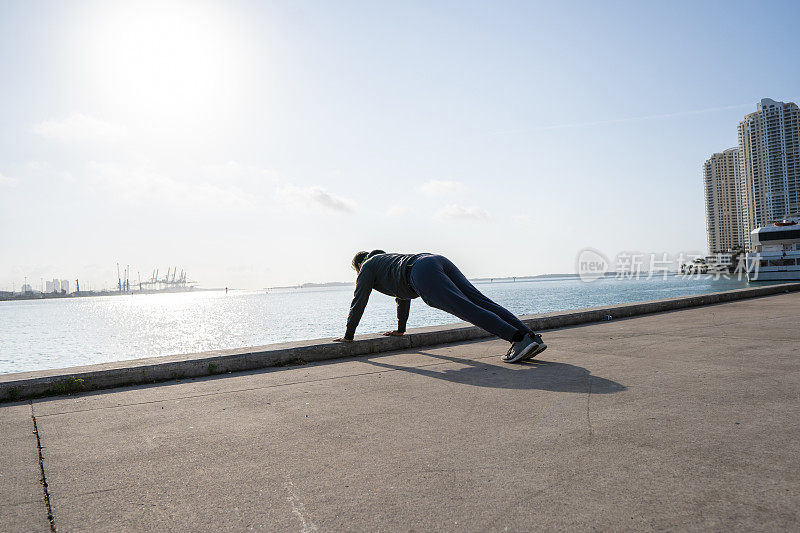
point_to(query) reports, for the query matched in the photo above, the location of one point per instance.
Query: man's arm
(403, 307)
(360, 299)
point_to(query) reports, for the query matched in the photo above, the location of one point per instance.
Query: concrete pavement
(681, 420)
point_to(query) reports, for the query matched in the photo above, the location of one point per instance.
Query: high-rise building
(65, 285)
(56, 285)
(48, 286)
(769, 164)
(721, 180)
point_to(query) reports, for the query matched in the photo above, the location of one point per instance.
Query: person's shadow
(534, 374)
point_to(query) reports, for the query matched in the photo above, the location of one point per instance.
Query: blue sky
(262, 143)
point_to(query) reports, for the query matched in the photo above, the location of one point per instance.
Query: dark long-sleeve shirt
(386, 273)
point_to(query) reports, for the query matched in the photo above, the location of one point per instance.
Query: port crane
(174, 280)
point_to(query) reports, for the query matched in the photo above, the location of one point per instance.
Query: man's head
(362, 256)
(358, 259)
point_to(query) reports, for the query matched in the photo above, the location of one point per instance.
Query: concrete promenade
(685, 420)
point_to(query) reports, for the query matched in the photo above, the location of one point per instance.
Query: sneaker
(525, 347)
(536, 351)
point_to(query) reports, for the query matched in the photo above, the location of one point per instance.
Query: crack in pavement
(45, 490)
(588, 397)
(298, 509)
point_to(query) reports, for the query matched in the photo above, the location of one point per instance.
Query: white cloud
(314, 197)
(398, 210)
(78, 127)
(8, 181)
(44, 169)
(460, 212)
(439, 187)
(236, 172)
(143, 185)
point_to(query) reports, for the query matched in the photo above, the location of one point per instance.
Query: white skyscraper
(769, 164)
(722, 184)
(65, 285)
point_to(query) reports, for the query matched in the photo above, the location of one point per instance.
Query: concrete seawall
(151, 370)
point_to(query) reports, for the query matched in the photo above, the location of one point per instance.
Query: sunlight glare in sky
(174, 63)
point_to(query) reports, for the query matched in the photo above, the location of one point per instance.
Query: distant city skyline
(46, 286)
(758, 181)
(262, 144)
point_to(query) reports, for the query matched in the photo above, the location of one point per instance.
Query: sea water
(58, 333)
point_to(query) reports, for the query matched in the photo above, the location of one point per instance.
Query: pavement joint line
(249, 389)
(19, 503)
(50, 518)
(79, 495)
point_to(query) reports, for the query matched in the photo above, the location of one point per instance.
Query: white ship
(777, 252)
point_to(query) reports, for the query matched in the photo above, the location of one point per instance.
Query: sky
(257, 144)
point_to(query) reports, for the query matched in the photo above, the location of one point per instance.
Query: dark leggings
(441, 285)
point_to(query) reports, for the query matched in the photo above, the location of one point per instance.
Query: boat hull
(773, 266)
(776, 275)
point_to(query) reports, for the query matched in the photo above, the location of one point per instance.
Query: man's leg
(435, 287)
(526, 344)
(480, 299)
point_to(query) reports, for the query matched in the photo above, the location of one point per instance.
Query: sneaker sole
(528, 349)
(533, 353)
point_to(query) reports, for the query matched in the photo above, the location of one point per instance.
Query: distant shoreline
(9, 296)
(33, 295)
(474, 280)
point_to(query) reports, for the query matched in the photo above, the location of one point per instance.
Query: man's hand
(395, 333)
(342, 339)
